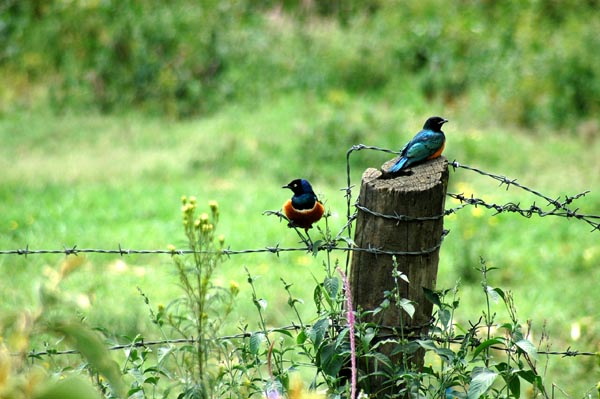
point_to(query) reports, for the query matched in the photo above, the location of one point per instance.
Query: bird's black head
(434, 123)
(299, 187)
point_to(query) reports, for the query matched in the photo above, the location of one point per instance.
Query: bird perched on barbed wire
(427, 144)
(304, 208)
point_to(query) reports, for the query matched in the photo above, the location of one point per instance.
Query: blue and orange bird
(427, 144)
(304, 208)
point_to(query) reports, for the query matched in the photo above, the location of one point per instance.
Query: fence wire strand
(556, 208)
(141, 343)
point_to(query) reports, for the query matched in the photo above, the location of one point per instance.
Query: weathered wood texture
(420, 194)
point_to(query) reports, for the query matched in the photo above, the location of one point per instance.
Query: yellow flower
(234, 287)
(188, 207)
(171, 247)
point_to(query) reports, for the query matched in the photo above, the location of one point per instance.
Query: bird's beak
(446, 121)
(286, 186)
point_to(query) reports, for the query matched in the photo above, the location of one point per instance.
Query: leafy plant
(200, 313)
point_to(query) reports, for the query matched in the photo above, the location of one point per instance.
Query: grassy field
(100, 181)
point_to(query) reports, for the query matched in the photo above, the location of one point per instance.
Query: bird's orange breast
(303, 217)
(438, 152)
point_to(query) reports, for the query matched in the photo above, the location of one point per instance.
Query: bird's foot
(386, 174)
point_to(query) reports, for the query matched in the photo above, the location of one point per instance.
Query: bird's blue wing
(423, 145)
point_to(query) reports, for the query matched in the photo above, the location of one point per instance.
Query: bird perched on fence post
(304, 208)
(427, 144)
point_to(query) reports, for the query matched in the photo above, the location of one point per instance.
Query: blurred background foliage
(527, 63)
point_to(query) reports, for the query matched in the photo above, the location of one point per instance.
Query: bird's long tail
(398, 165)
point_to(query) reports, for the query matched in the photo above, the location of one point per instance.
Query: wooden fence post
(415, 203)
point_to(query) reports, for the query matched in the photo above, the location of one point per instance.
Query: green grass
(100, 181)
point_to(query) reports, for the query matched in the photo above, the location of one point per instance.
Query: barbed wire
(141, 343)
(557, 208)
(228, 252)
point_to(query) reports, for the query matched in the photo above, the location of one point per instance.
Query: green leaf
(340, 341)
(93, 349)
(262, 303)
(348, 241)
(517, 334)
(403, 277)
(408, 306)
(317, 331)
(152, 380)
(432, 297)
(514, 386)
(256, 339)
(383, 305)
(367, 337)
(444, 316)
(487, 344)
(507, 326)
(315, 247)
(163, 352)
(293, 301)
(527, 375)
(531, 377)
(481, 380)
(332, 286)
(527, 347)
(495, 294)
(381, 359)
(301, 338)
(446, 354)
(70, 388)
(283, 331)
(427, 344)
(318, 296)
(408, 348)
(331, 363)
